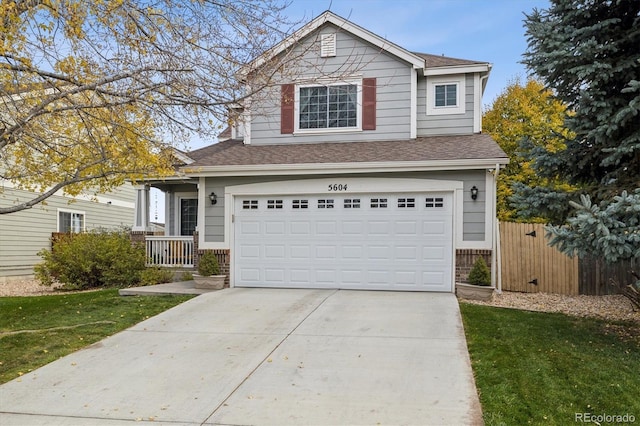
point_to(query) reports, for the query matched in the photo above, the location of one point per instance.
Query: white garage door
(374, 241)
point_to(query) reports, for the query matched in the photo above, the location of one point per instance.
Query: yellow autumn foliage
(523, 111)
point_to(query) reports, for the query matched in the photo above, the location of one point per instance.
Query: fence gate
(530, 265)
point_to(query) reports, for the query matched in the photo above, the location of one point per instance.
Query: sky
(482, 30)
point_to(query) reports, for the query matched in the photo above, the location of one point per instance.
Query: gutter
(333, 168)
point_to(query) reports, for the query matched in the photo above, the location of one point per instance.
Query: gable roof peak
(345, 25)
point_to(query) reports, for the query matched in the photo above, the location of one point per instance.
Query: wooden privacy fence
(530, 265)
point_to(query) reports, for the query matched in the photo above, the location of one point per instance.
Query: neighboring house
(23, 234)
(378, 178)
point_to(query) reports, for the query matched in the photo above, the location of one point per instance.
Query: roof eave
(330, 168)
(458, 69)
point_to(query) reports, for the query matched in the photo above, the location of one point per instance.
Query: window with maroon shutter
(287, 108)
(368, 104)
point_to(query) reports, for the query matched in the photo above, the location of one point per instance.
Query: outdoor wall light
(214, 198)
(474, 192)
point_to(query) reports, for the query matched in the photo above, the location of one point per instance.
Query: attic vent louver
(328, 45)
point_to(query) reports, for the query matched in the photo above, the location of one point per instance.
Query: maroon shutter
(368, 104)
(286, 108)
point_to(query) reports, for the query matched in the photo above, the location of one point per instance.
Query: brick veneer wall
(139, 236)
(465, 260)
(223, 256)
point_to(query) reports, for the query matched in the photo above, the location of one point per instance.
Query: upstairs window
(316, 108)
(328, 107)
(446, 95)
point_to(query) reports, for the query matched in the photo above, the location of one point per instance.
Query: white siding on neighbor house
(473, 211)
(362, 60)
(453, 124)
(23, 234)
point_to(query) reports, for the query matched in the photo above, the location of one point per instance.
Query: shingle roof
(235, 152)
(434, 61)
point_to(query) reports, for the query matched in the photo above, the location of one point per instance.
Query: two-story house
(364, 167)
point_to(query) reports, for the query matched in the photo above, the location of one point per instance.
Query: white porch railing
(171, 252)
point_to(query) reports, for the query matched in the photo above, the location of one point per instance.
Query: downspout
(496, 260)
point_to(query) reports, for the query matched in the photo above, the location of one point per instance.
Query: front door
(188, 215)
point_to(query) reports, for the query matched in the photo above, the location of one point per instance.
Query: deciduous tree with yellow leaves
(96, 92)
(524, 116)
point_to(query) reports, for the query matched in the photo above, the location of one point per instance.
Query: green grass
(50, 327)
(539, 368)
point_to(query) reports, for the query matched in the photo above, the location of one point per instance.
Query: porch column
(141, 216)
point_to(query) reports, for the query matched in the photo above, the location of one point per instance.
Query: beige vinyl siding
(473, 211)
(23, 234)
(454, 124)
(355, 59)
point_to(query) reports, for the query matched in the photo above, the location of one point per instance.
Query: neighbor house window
(446, 95)
(70, 221)
(328, 107)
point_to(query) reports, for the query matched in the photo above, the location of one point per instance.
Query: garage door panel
(350, 252)
(382, 252)
(300, 276)
(406, 227)
(249, 252)
(325, 252)
(406, 253)
(251, 275)
(434, 253)
(352, 276)
(434, 228)
(374, 241)
(272, 275)
(352, 227)
(326, 276)
(250, 227)
(326, 227)
(300, 227)
(274, 251)
(272, 227)
(379, 227)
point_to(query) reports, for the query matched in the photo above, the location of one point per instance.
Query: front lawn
(541, 368)
(37, 330)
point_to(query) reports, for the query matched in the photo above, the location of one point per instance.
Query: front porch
(177, 246)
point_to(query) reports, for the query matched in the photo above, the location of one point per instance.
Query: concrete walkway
(265, 357)
(180, 287)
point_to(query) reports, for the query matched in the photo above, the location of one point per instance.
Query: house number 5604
(337, 187)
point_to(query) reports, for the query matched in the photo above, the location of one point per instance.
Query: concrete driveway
(265, 357)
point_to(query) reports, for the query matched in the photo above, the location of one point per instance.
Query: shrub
(91, 260)
(155, 275)
(187, 276)
(208, 264)
(480, 274)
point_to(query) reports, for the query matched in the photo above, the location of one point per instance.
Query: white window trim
(82, 212)
(296, 117)
(432, 82)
